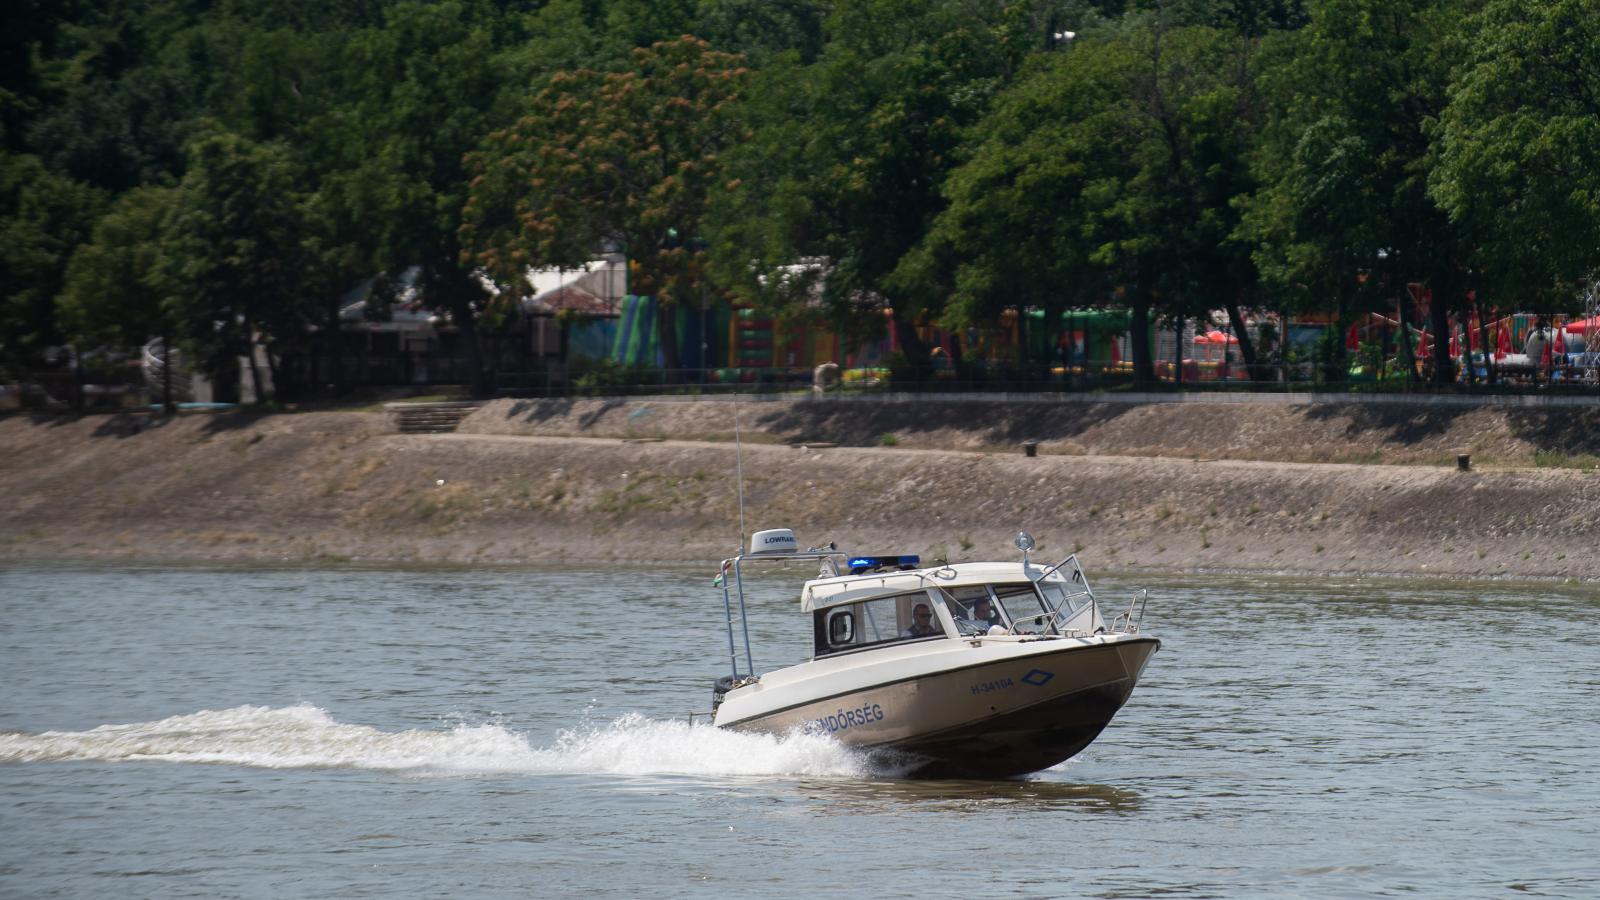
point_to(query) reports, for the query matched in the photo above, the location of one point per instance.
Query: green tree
(561, 35)
(1519, 166)
(236, 252)
(416, 95)
(117, 292)
(764, 29)
(122, 85)
(1345, 219)
(623, 159)
(843, 177)
(631, 24)
(1024, 209)
(116, 288)
(1167, 231)
(43, 218)
(31, 30)
(1116, 167)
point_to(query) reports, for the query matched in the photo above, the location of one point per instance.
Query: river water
(273, 732)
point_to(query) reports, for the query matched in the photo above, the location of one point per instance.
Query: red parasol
(1561, 342)
(1503, 342)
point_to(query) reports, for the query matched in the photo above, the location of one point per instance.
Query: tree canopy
(229, 171)
(1519, 157)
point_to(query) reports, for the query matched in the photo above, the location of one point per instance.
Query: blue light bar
(859, 564)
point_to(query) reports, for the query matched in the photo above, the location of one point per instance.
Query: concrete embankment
(1133, 487)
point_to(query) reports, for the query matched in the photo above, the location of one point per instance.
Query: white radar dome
(773, 540)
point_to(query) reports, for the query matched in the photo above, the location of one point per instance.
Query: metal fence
(1262, 379)
(320, 374)
(65, 390)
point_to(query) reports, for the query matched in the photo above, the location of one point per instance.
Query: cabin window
(841, 627)
(881, 621)
(1014, 607)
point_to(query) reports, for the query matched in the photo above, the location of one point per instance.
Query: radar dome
(773, 540)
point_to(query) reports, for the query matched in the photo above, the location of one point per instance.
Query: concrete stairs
(429, 418)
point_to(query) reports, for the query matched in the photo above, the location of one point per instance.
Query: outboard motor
(720, 690)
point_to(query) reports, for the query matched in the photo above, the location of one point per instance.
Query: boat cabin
(866, 610)
(865, 602)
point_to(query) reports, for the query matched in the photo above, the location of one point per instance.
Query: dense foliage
(221, 174)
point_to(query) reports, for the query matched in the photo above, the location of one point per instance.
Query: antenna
(738, 464)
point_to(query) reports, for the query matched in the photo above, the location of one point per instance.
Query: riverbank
(1326, 488)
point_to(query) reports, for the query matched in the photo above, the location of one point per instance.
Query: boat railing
(736, 610)
(1074, 584)
(1128, 621)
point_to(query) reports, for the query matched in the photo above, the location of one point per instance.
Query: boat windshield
(1074, 605)
(973, 609)
(1026, 610)
(1014, 607)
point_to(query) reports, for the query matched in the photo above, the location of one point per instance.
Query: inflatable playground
(744, 345)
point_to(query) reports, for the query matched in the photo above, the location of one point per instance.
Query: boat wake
(306, 737)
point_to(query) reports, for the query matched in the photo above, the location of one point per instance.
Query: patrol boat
(968, 670)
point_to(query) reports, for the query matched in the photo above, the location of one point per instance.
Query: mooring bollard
(1030, 448)
(1464, 462)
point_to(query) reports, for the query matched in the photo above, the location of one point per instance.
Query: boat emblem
(1038, 677)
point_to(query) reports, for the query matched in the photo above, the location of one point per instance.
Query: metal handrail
(735, 563)
(1130, 622)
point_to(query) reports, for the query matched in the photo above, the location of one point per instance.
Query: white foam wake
(305, 736)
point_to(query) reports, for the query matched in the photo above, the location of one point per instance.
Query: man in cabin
(983, 618)
(921, 623)
(985, 614)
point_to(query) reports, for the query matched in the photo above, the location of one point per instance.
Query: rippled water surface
(289, 732)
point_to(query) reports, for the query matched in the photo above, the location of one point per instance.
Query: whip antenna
(738, 465)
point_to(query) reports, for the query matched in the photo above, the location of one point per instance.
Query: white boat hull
(984, 708)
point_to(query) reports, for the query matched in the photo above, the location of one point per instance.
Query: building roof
(594, 289)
